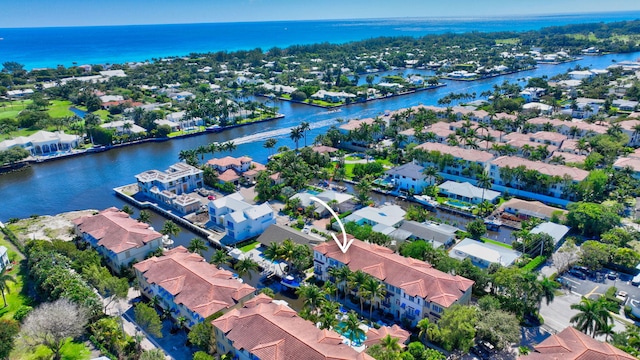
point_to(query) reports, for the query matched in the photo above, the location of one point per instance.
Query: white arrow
(344, 244)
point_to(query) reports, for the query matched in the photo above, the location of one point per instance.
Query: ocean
(53, 46)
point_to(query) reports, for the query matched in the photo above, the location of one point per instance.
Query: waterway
(87, 181)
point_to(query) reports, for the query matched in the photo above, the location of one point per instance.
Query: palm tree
(220, 257)
(144, 217)
(287, 253)
(373, 289)
(170, 228)
(342, 276)
(356, 281)
(245, 267)
(330, 288)
(352, 327)
(426, 329)
(296, 135)
(270, 144)
(5, 279)
(198, 246)
(312, 296)
(547, 289)
(272, 252)
(229, 146)
(484, 181)
(304, 126)
(390, 343)
(592, 317)
(430, 173)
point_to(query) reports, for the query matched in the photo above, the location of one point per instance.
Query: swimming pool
(313, 192)
(457, 203)
(340, 329)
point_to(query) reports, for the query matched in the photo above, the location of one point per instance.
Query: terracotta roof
(324, 149)
(375, 335)
(228, 160)
(116, 231)
(629, 124)
(571, 344)
(570, 157)
(272, 331)
(531, 208)
(632, 162)
(200, 286)
(355, 124)
(547, 169)
(457, 152)
(548, 135)
(228, 175)
(416, 278)
(515, 136)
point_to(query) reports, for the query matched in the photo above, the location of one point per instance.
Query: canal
(87, 181)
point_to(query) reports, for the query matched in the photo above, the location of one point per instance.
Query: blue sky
(36, 13)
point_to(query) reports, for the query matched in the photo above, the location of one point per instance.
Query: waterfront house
(415, 290)
(408, 177)
(189, 287)
(333, 96)
(171, 187)
(118, 238)
(233, 170)
(468, 193)
(383, 219)
(278, 233)
(556, 231)
(436, 234)
(4, 258)
(340, 202)
(572, 344)
(483, 254)
(374, 336)
(267, 329)
(43, 142)
(525, 209)
(123, 127)
(241, 219)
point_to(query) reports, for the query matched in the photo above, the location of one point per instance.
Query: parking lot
(596, 284)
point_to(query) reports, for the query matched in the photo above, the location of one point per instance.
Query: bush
(22, 313)
(535, 263)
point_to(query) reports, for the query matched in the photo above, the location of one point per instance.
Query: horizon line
(449, 17)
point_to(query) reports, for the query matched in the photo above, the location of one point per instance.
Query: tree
(8, 331)
(426, 329)
(170, 228)
(312, 297)
(220, 257)
(201, 355)
(5, 279)
(154, 354)
(592, 219)
(499, 328)
(113, 288)
(476, 228)
(148, 319)
(127, 209)
(373, 289)
(144, 217)
(457, 327)
(198, 246)
(296, 134)
(594, 254)
(270, 144)
(592, 316)
(352, 327)
(245, 267)
(51, 324)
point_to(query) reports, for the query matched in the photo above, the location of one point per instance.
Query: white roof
(389, 215)
(556, 231)
(484, 251)
(467, 190)
(3, 250)
(256, 212)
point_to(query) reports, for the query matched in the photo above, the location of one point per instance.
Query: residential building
(339, 201)
(632, 163)
(374, 336)
(188, 286)
(436, 234)
(415, 290)
(171, 187)
(4, 258)
(278, 233)
(124, 127)
(43, 142)
(525, 209)
(266, 329)
(572, 344)
(241, 219)
(332, 96)
(19, 94)
(383, 219)
(233, 170)
(409, 177)
(483, 254)
(117, 237)
(463, 159)
(468, 193)
(556, 231)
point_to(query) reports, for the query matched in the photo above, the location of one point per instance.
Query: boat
(290, 282)
(492, 223)
(215, 128)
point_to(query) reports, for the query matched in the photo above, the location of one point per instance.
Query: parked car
(612, 275)
(578, 274)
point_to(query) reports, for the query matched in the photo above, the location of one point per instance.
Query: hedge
(535, 263)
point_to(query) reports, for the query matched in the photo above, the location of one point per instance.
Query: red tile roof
(322, 149)
(228, 176)
(415, 277)
(547, 169)
(200, 286)
(273, 331)
(375, 335)
(116, 231)
(228, 160)
(457, 152)
(571, 344)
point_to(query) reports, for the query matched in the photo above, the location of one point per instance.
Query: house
(572, 344)
(19, 94)
(185, 122)
(383, 219)
(339, 201)
(483, 254)
(118, 238)
(171, 187)
(188, 286)
(415, 290)
(525, 209)
(468, 193)
(409, 177)
(332, 96)
(543, 108)
(4, 258)
(374, 336)
(124, 127)
(43, 142)
(436, 234)
(323, 149)
(463, 159)
(241, 219)
(556, 231)
(532, 94)
(267, 329)
(180, 96)
(233, 170)
(278, 233)
(628, 162)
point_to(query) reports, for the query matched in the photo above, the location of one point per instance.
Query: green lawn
(59, 109)
(15, 298)
(250, 246)
(70, 351)
(510, 41)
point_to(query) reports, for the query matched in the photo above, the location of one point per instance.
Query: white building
(409, 177)
(43, 142)
(171, 187)
(241, 219)
(483, 254)
(4, 258)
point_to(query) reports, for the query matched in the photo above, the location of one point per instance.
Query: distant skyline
(46, 13)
